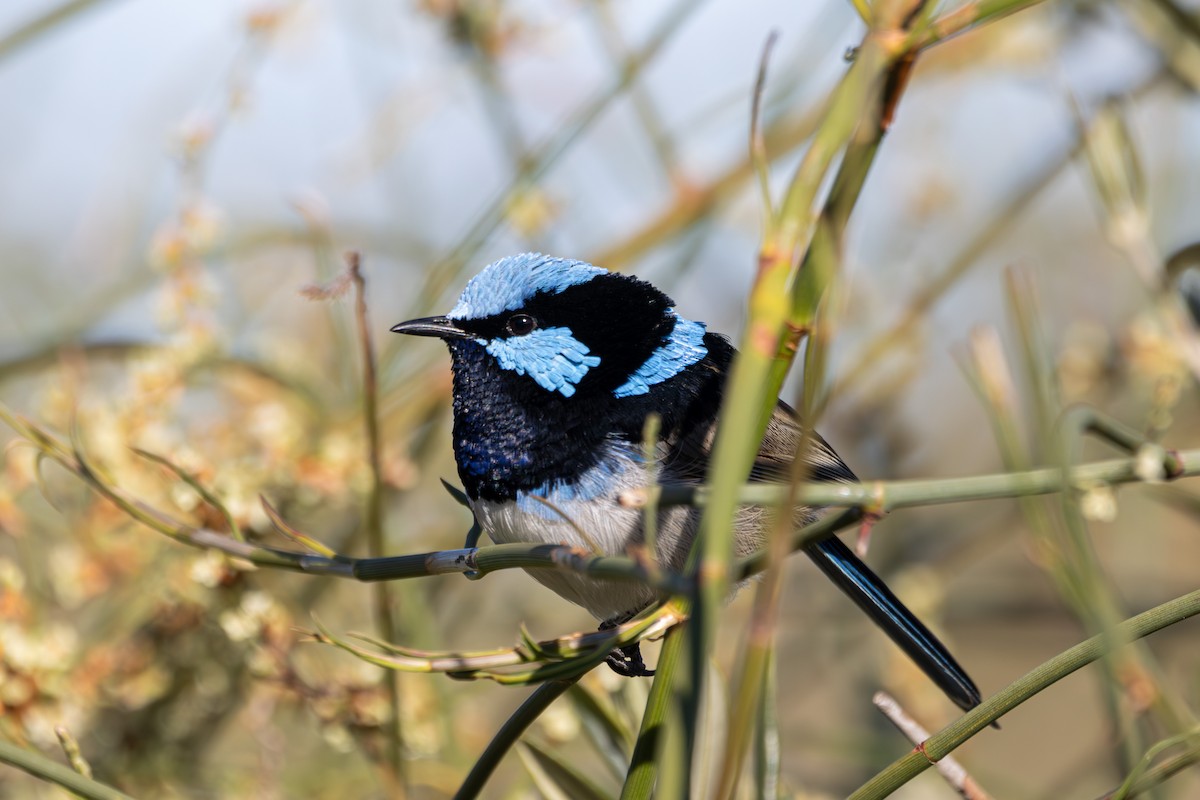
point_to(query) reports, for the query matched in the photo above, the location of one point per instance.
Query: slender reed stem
(946, 740)
(42, 767)
(384, 619)
(508, 735)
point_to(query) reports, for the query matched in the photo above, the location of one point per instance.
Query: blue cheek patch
(684, 348)
(554, 358)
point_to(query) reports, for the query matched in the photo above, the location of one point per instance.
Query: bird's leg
(626, 661)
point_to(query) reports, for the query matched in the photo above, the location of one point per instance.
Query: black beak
(441, 327)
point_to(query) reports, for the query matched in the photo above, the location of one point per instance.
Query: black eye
(520, 324)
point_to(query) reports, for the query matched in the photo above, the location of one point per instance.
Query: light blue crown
(553, 357)
(507, 284)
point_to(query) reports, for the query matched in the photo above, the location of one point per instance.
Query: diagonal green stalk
(42, 767)
(748, 401)
(821, 263)
(759, 646)
(643, 766)
(970, 15)
(859, 112)
(1142, 777)
(1047, 674)
(509, 733)
(47, 22)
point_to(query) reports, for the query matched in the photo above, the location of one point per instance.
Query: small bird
(557, 364)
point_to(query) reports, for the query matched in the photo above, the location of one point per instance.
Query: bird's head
(566, 327)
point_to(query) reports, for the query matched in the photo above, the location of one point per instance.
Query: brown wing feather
(687, 460)
(779, 446)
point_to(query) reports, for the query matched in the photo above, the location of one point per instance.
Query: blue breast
(601, 480)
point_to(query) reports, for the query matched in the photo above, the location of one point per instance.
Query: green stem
(29, 32)
(643, 767)
(970, 15)
(1139, 774)
(509, 733)
(946, 740)
(749, 399)
(42, 767)
(892, 495)
(876, 496)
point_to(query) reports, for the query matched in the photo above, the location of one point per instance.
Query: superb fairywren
(557, 364)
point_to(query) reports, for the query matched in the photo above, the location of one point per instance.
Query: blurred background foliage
(175, 175)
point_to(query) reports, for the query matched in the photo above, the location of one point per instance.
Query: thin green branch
(42, 767)
(509, 733)
(1143, 777)
(304, 540)
(945, 741)
(758, 145)
(873, 496)
(29, 32)
(529, 661)
(234, 530)
(763, 356)
(972, 15)
(859, 116)
(882, 496)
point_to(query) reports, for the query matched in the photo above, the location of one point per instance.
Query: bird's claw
(627, 662)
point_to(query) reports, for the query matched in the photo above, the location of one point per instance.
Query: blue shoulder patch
(506, 285)
(684, 347)
(551, 356)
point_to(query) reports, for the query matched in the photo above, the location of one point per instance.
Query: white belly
(587, 516)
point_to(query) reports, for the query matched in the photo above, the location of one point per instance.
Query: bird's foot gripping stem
(626, 661)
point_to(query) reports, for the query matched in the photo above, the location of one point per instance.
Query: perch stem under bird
(557, 364)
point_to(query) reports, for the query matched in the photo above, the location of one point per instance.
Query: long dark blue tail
(871, 594)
